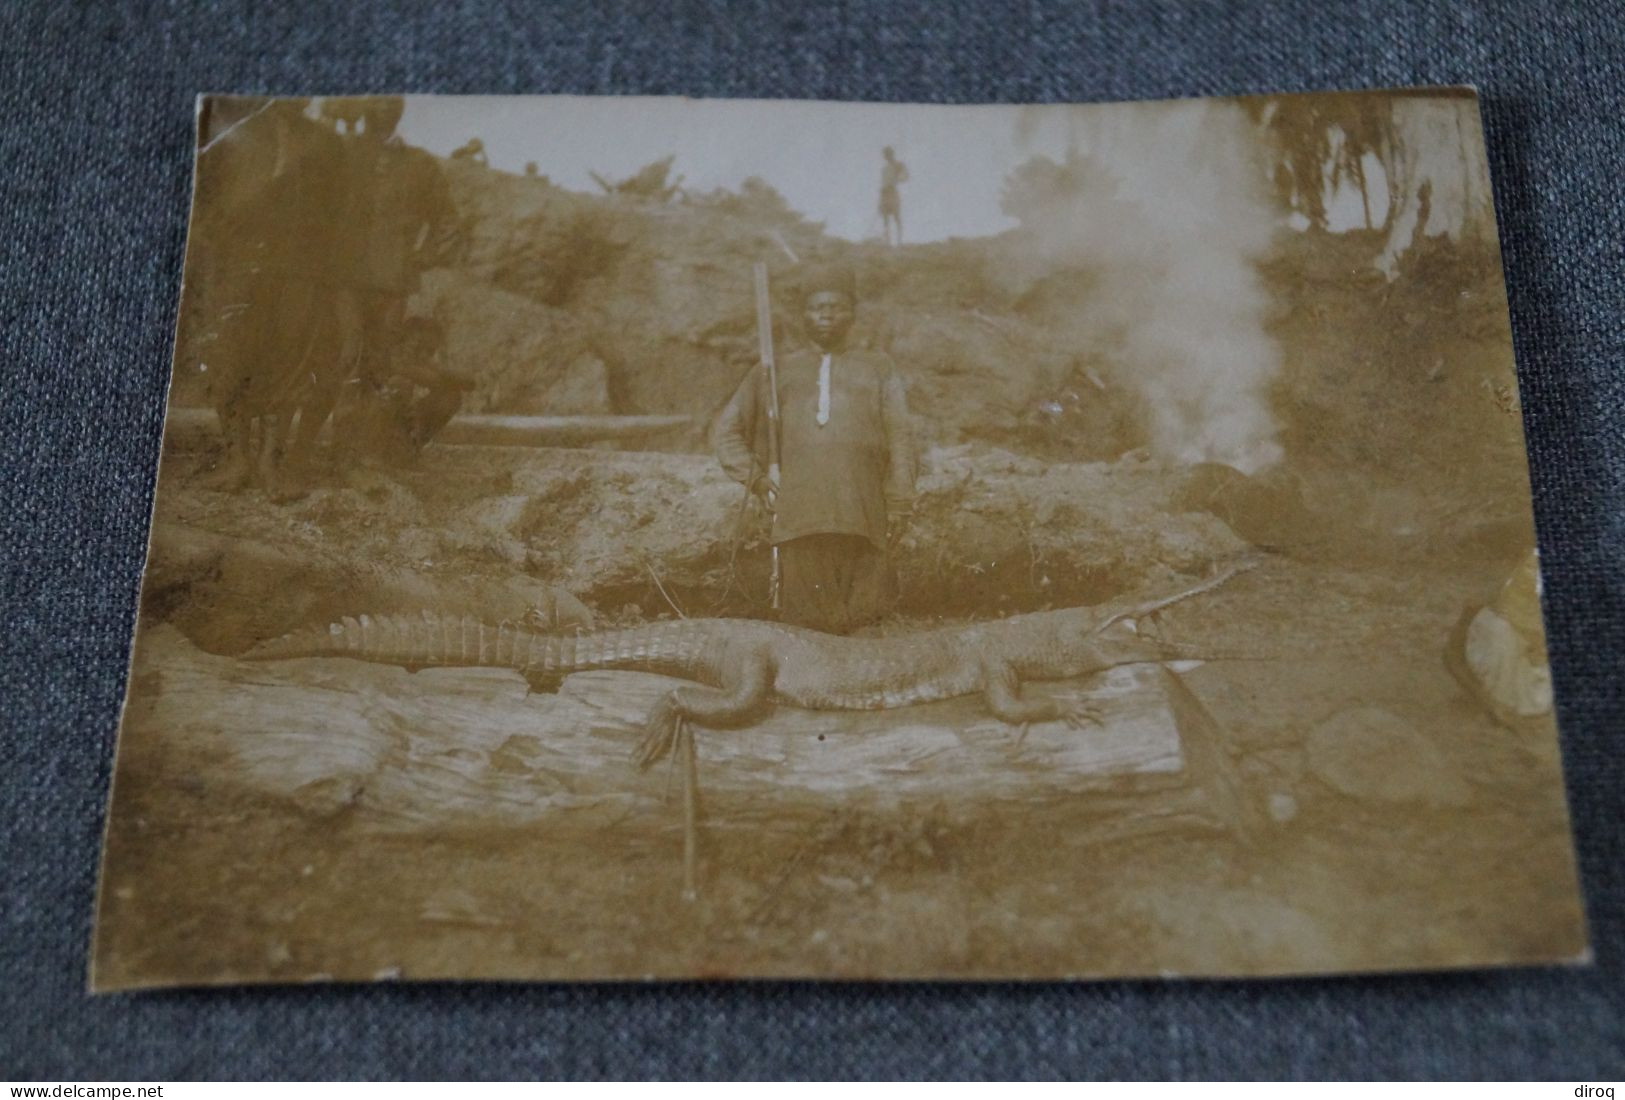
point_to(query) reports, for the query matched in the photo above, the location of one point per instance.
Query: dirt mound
(659, 293)
(999, 532)
(640, 535)
(654, 299)
(650, 535)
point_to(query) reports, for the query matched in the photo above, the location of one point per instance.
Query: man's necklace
(823, 390)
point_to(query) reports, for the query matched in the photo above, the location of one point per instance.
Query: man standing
(271, 232)
(846, 464)
(893, 174)
(403, 222)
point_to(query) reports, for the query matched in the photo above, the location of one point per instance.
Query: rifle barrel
(764, 332)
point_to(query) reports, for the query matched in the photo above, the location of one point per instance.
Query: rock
(1508, 666)
(1498, 653)
(1266, 509)
(1373, 754)
(582, 387)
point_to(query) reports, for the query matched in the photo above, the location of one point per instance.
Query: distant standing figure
(847, 466)
(892, 174)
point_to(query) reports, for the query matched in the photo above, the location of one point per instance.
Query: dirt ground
(1473, 868)
(1323, 882)
(1386, 820)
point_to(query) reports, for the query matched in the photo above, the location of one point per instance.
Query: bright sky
(825, 158)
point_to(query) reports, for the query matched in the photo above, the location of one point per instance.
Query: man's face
(829, 316)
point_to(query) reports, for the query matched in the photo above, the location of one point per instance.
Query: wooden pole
(691, 809)
(764, 334)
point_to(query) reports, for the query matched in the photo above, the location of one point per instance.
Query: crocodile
(740, 668)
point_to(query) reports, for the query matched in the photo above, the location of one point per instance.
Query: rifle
(764, 332)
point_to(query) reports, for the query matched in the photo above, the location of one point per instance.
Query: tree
(1428, 144)
(1039, 189)
(1319, 140)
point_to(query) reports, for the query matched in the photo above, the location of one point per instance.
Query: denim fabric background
(96, 131)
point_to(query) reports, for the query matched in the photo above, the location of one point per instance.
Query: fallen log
(190, 427)
(448, 748)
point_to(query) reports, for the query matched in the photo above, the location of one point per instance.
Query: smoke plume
(1168, 204)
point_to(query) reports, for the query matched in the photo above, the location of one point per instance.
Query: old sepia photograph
(647, 538)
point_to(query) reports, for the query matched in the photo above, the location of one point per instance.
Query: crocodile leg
(1001, 687)
(746, 686)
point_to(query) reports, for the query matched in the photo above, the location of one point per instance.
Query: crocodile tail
(679, 647)
(412, 640)
(429, 640)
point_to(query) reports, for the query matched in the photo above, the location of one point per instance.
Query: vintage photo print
(657, 538)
